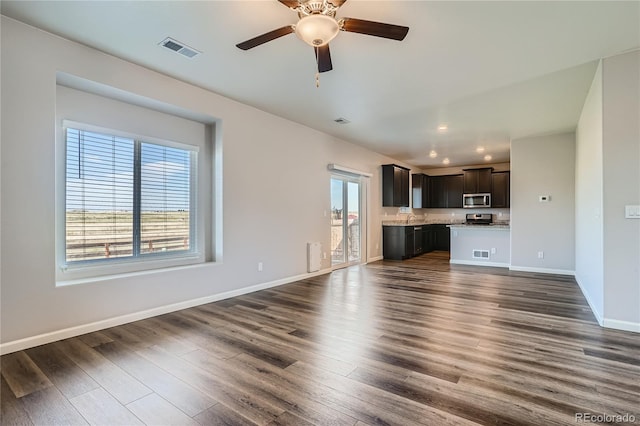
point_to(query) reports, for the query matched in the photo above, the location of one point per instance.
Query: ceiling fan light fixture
(317, 30)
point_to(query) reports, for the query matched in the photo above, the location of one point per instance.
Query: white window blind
(126, 198)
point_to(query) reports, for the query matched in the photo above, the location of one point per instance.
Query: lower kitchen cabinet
(441, 237)
(404, 242)
(397, 242)
(427, 238)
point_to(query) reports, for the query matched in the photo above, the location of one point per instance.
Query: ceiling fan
(317, 26)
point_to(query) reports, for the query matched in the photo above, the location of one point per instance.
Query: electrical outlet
(540, 255)
(377, 246)
(493, 250)
(259, 266)
(324, 255)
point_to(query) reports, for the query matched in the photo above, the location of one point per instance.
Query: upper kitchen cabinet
(446, 191)
(420, 190)
(477, 181)
(500, 190)
(395, 186)
(455, 185)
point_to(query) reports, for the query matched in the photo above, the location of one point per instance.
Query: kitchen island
(483, 245)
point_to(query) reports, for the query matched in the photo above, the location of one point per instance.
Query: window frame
(83, 270)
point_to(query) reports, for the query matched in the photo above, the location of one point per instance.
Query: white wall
(275, 186)
(621, 161)
(589, 221)
(543, 166)
(464, 240)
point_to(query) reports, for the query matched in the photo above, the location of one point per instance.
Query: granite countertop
(456, 224)
(494, 226)
(419, 222)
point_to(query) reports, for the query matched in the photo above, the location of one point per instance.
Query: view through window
(126, 198)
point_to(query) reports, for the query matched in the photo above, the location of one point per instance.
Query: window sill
(93, 274)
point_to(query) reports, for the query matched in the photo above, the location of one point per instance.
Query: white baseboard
(375, 259)
(595, 311)
(478, 263)
(622, 325)
(542, 270)
(41, 339)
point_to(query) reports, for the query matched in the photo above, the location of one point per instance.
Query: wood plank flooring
(418, 342)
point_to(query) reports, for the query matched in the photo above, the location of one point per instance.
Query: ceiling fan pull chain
(317, 79)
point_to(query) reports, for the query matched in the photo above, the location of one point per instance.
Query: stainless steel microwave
(474, 201)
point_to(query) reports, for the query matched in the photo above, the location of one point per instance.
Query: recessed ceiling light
(445, 161)
(487, 157)
(433, 154)
(480, 149)
(443, 128)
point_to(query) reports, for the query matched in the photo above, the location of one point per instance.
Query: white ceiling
(491, 71)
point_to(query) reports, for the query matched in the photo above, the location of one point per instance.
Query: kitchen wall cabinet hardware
(395, 186)
(500, 190)
(477, 181)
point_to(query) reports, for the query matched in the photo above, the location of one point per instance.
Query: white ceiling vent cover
(179, 47)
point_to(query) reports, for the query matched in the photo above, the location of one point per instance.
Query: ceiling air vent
(341, 120)
(178, 47)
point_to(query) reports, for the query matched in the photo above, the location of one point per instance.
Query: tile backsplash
(443, 215)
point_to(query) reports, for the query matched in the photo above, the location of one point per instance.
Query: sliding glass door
(345, 221)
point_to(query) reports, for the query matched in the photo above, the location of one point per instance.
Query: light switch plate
(632, 212)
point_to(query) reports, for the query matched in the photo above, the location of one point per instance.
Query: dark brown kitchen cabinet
(500, 190)
(404, 242)
(398, 242)
(395, 186)
(477, 181)
(455, 186)
(446, 191)
(441, 237)
(420, 191)
(427, 238)
(437, 192)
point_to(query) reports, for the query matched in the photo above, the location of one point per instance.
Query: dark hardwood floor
(400, 343)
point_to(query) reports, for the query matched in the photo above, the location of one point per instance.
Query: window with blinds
(127, 198)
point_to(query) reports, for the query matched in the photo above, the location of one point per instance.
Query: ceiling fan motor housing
(312, 7)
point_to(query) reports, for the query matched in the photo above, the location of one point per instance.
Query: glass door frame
(362, 216)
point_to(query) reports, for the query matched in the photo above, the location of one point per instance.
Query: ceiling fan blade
(378, 29)
(323, 58)
(337, 3)
(261, 39)
(291, 4)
